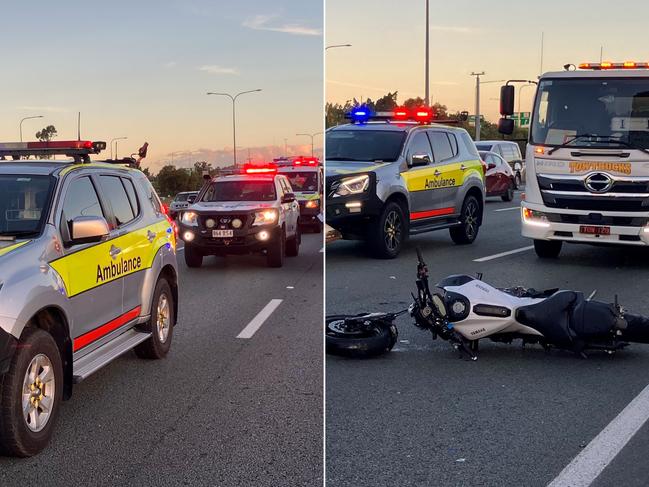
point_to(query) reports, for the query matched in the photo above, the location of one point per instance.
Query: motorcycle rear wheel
(378, 339)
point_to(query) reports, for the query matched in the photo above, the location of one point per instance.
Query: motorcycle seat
(550, 317)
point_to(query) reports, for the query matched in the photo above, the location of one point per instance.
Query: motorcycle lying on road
(464, 310)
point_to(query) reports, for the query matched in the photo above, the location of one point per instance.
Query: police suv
(390, 175)
(87, 273)
(252, 212)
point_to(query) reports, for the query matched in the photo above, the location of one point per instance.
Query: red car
(499, 176)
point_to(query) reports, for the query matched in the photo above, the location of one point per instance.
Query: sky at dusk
(141, 69)
(500, 37)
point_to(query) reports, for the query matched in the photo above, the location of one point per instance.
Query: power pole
(477, 103)
(427, 99)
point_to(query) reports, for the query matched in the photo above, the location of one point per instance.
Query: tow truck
(306, 178)
(587, 156)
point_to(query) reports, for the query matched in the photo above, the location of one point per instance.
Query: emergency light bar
(266, 169)
(363, 114)
(608, 65)
(77, 149)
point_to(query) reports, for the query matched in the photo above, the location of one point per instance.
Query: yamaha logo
(598, 182)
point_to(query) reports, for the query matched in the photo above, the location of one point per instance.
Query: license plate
(594, 230)
(222, 233)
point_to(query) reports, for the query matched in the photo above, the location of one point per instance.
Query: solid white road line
(509, 209)
(503, 254)
(601, 451)
(259, 320)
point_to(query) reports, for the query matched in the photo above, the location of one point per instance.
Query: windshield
(240, 191)
(483, 147)
(182, 196)
(596, 112)
(364, 145)
(303, 181)
(23, 204)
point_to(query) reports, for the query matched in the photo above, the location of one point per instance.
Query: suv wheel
(193, 258)
(293, 245)
(160, 325)
(30, 395)
(275, 252)
(548, 249)
(467, 231)
(388, 232)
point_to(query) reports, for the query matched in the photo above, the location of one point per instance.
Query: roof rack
(78, 150)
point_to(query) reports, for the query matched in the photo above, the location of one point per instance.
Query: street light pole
(20, 125)
(312, 136)
(234, 118)
(427, 99)
(111, 146)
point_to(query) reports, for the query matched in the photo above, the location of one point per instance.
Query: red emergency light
(258, 169)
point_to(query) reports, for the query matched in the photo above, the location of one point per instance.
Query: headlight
(189, 218)
(355, 185)
(265, 217)
(312, 204)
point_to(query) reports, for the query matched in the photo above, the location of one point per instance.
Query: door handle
(150, 235)
(114, 251)
(462, 167)
(437, 173)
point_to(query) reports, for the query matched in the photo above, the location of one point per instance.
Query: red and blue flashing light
(364, 114)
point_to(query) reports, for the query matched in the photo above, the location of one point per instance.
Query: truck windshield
(595, 112)
(364, 145)
(240, 191)
(303, 181)
(24, 201)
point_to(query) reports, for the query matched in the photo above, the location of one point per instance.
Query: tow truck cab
(587, 156)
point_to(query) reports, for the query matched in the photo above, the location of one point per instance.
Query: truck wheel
(193, 258)
(509, 194)
(30, 395)
(548, 249)
(160, 325)
(467, 231)
(388, 232)
(275, 252)
(293, 245)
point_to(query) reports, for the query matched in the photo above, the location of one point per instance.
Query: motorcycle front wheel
(377, 338)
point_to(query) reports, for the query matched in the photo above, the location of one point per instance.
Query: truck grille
(223, 221)
(572, 192)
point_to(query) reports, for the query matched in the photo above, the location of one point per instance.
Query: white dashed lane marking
(504, 254)
(257, 321)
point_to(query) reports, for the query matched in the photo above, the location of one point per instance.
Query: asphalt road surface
(219, 410)
(421, 416)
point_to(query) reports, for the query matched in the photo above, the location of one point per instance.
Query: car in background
(499, 176)
(180, 202)
(508, 150)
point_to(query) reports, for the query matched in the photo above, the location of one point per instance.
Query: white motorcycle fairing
(491, 312)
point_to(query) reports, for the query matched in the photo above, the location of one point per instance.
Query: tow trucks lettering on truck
(581, 167)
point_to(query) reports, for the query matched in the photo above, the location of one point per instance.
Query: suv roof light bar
(79, 150)
(609, 65)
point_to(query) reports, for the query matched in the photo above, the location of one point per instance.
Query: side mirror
(288, 198)
(87, 229)
(419, 160)
(491, 165)
(506, 126)
(507, 100)
(191, 199)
